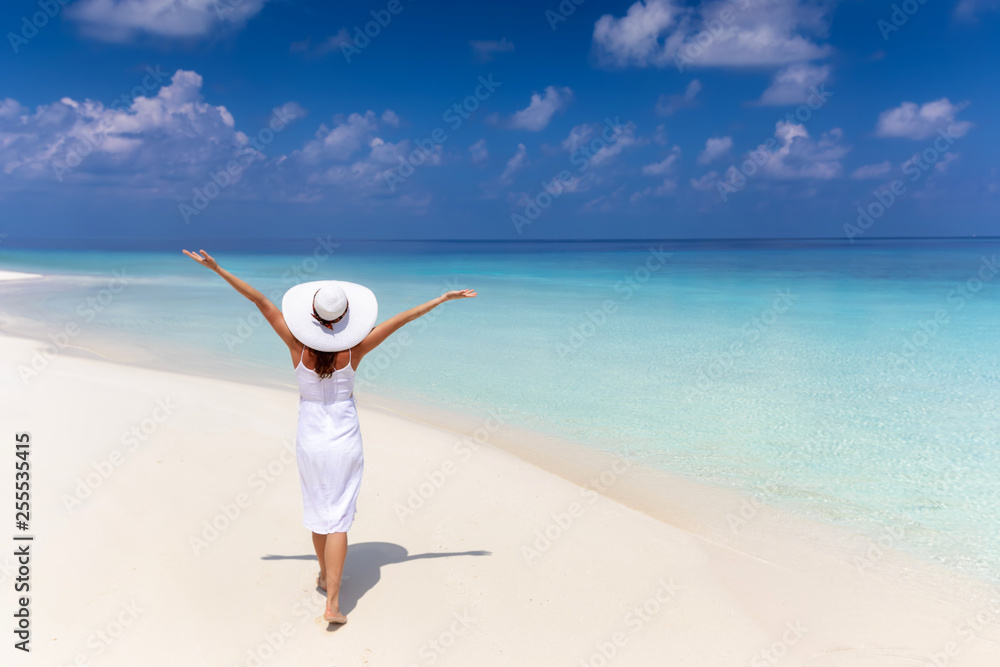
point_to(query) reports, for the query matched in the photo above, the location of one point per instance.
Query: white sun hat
(309, 309)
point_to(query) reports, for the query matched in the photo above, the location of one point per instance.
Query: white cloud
(660, 33)
(541, 109)
(940, 165)
(794, 84)
(362, 177)
(945, 160)
(634, 39)
(365, 176)
(331, 43)
(797, 156)
(969, 10)
(295, 109)
(164, 145)
(591, 141)
(577, 184)
(605, 203)
(666, 188)
(872, 170)
(390, 118)
(706, 183)
(360, 166)
(387, 153)
(919, 122)
(578, 136)
(10, 108)
(660, 135)
(417, 203)
(664, 166)
(164, 142)
(626, 138)
(122, 20)
(486, 49)
(352, 158)
(574, 185)
(792, 155)
(343, 140)
(668, 105)
(715, 148)
(515, 163)
(478, 153)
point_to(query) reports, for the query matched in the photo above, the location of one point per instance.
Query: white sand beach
(18, 275)
(167, 524)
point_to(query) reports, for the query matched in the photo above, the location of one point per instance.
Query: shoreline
(726, 516)
(655, 491)
(721, 517)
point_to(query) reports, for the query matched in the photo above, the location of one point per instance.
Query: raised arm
(391, 325)
(270, 312)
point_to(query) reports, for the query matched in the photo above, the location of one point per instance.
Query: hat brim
(358, 321)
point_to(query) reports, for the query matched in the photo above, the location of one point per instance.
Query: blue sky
(650, 119)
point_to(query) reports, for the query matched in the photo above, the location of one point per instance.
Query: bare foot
(321, 581)
(331, 616)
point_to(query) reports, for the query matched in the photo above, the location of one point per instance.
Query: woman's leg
(336, 552)
(319, 544)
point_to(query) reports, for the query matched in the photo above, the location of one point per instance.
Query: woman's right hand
(207, 260)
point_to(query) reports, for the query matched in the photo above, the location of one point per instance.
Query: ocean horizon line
(257, 245)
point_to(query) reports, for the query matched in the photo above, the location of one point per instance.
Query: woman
(329, 327)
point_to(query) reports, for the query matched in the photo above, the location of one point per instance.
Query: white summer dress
(328, 449)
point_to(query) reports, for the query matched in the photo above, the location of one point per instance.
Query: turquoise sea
(858, 384)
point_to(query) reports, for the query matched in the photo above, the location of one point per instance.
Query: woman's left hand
(207, 260)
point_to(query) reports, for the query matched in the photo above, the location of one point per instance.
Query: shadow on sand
(363, 567)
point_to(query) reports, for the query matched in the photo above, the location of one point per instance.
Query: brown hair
(324, 363)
